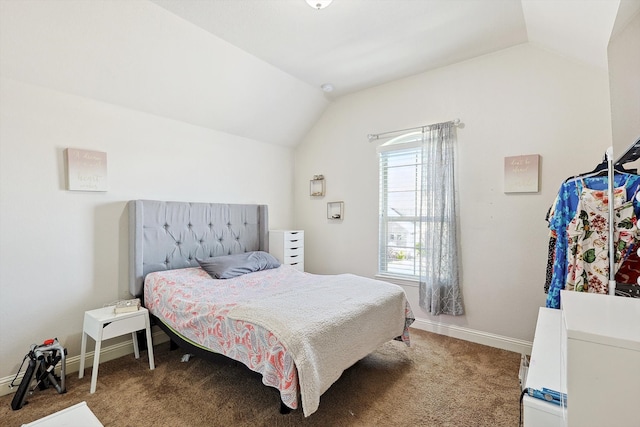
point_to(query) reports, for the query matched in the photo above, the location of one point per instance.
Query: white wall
(63, 252)
(624, 76)
(522, 100)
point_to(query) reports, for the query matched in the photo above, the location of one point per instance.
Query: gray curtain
(439, 286)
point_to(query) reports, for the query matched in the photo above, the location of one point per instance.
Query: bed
(300, 331)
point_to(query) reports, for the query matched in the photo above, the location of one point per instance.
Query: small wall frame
(335, 210)
(86, 170)
(317, 186)
(522, 174)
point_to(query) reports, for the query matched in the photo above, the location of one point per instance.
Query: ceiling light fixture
(319, 4)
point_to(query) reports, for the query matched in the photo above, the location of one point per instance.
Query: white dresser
(288, 247)
(590, 350)
(545, 371)
(602, 365)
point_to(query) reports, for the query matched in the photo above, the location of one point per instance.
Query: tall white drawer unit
(288, 247)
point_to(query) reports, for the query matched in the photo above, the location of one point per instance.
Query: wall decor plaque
(86, 170)
(521, 174)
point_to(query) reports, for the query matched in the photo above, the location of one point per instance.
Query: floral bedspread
(197, 306)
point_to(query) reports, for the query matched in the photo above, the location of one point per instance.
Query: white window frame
(391, 261)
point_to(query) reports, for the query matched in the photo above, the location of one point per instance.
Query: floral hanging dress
(588, 235)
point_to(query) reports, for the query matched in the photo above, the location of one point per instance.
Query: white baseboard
(73, 363)
(479, 337)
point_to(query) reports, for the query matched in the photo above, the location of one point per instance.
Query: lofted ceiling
(357, 44)
(224, 64)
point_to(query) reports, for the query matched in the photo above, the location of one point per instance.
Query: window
(400, 211)
(418, 215)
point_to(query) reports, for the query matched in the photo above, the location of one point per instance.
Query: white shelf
(545, 371)
(335, 210)
(76, 415)
(317, 187)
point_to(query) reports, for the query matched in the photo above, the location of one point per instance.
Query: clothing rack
(612, 246)
(631, 154)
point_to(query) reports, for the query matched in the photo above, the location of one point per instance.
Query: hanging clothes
(629, 271)
(551, 253)
(588, 235)
(563, 212)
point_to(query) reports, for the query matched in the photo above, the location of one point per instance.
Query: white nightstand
(102, 324)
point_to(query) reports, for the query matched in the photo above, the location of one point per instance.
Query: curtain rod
(376, 136)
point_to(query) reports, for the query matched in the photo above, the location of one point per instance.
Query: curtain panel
(439, 284)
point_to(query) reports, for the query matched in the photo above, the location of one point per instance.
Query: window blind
(400, 186)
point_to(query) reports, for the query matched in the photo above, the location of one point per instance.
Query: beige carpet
(439, 381)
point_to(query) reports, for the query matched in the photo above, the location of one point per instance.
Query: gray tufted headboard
(170, 235)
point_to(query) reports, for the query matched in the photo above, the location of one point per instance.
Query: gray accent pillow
(229, 266)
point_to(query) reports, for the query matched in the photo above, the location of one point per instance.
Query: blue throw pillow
(229, 266)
